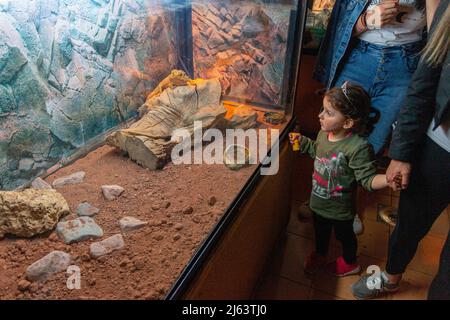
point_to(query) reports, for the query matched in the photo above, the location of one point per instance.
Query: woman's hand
(397, 174)
(382, 14)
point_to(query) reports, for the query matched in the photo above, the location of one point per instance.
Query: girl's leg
(317, 259)
(344, 233)
(322, 232)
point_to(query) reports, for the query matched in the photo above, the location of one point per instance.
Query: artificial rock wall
(243, 43)
(72, 69)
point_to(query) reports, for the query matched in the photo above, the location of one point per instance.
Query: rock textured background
(244, 44)
(70, 70)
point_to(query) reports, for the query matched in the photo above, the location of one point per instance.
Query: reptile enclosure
(100, 89)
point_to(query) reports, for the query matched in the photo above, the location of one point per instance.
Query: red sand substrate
(155, 255)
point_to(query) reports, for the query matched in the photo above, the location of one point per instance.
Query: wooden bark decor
(176, 103)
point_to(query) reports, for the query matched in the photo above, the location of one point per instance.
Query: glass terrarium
(92, 94)
(316, 23)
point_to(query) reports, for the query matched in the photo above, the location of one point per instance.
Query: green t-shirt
(338, 167)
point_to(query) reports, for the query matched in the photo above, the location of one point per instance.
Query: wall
(69, 70)
(244, 45)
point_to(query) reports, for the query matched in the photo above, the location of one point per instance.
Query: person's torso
(407, 28)
(337, 39)
(441, 133)
(333, 181)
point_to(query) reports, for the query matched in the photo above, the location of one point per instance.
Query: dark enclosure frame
(291, 71)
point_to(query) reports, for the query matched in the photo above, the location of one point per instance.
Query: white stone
(42, 269)
(86, 209)
(130, 224)
(74, 178)
(78, 230)
(111, 192)
(39, 183)
(106, 246)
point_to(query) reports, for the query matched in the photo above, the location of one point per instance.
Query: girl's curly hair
(354, 103)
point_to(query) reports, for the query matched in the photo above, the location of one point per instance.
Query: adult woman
(420, 149)
(374, 43)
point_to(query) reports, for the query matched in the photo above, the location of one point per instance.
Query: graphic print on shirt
(325, 182)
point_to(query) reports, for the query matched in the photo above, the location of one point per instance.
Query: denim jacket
(337, 39)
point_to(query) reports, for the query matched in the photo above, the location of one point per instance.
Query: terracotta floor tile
(414, 286)
(368, 210)
(289, 258)
(327, 282)
(316, 294)
(374, 241)
(395, 201)
(278, 288)
(286, 279)
(427, 255)
(441, 226)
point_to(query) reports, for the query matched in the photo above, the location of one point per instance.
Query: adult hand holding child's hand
(397, 174)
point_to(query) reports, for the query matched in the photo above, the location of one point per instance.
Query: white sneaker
(358, 227)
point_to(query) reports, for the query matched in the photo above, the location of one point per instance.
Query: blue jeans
(385, 73)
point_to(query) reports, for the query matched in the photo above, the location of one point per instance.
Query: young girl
(343, 158)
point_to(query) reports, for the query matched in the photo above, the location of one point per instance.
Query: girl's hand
(293, 136)
(396, 183)
(294, 139)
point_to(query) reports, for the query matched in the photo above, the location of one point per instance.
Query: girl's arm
(308, 146)
(379, 182)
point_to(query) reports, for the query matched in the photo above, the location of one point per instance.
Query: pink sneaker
(343, 269)
(314, 262)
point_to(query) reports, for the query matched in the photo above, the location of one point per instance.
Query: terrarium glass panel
(244, 44)
(92, 93)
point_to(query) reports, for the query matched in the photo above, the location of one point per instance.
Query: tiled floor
(285, 279)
